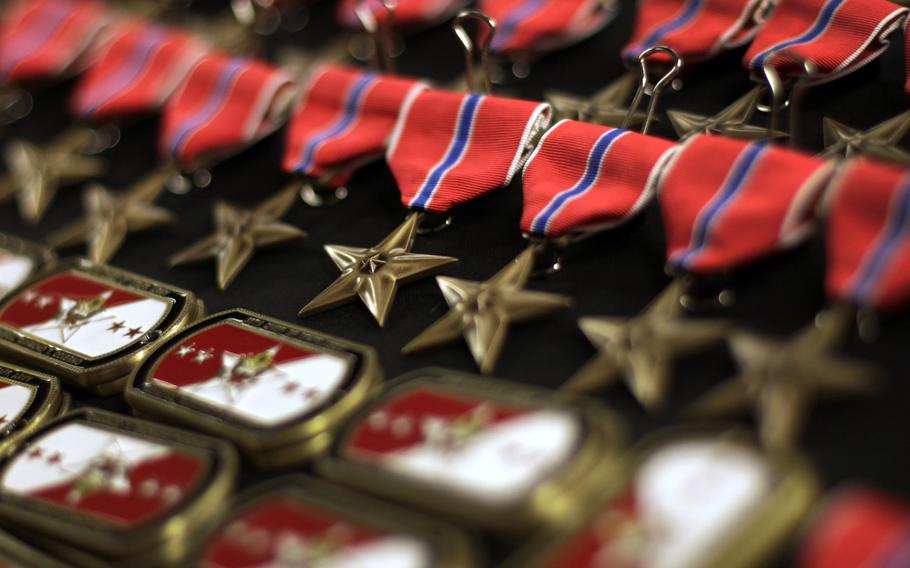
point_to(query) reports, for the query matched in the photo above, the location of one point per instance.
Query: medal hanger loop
(319, 192)
(486, 29)
(380, 32)
(800, 89)
(547, 254)
(652, 90)
(429, 223)
(779, 99)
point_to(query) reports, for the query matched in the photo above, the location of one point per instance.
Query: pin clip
(380, 31)
(486, 29)
(652, 90)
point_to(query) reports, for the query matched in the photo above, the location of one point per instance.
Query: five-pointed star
(482, 311)
(109, 218)
(731, 121)
(374, 273)
(239, 232)
(37, 172)
(641, 350)
(782, 378)
(880, 141)
(607, 106)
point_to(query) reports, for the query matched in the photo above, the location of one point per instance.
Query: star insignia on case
(880, 141)
(36, 172)
(782, 379)
(483, 311)
(239, 232)
(607, 106)
(731, 121)
(374, 274)
(110, 217)
(641, 350)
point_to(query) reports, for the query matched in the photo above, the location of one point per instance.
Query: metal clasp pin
(645, 87)
(380, 32)
(486, 29)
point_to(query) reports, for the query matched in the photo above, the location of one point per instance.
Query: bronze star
(239, 232)
(109, 217)
(880, 141)
(37, 172)
(781, 379)
(374, 273)
(607, 106)
(482, 311)
(731, 121)
(641, 350)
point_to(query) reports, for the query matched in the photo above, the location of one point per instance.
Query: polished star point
(239, 232)
(732, 121)
(879, 142)
(110, 217)
(36, 172)
(374, 274)
(481, 312)
(642, 350)
(782, 379)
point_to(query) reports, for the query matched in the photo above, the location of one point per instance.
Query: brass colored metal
(16, 553)
(110, 217)
(46, 402)
(782, 379)
(374, 274)
(731, 121)
(40, 257)
(607, 106)
(239, 232)
(36, 172)
(481, 312)
(641, 350)
(879, 142)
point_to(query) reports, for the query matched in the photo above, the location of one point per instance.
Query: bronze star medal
(880, 141)
(374, 274)
(781, 379)
(239, 232)
(641, 350)
(607, 106)
(483, 311)
(731, 121)
(37, 172)
(109, 217)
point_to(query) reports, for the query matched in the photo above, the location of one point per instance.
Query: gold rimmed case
(28, 399)
(91, 325)
(701, 495)
(275, 389)
(97, 486)
(300, 520)
(488, 453)
(20, 260)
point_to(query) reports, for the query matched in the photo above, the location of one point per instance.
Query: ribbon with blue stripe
(688, 13)
(36, 35)
(587, 181)
(879, 258)
(352, 106)
(128, 73)
(739, 175)
(463, 128)
(205, 114)
(509, 25)
(825, 16)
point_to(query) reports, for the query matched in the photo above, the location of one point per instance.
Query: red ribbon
(696, 29)
(584, 177)
(726, 202)
(449, 148)
(837, 36)
(859, 528)
(409, 14)
(45, 39)
(225, 105)
(137, 70)
(343, 119)
(868, 230)
(534, 26)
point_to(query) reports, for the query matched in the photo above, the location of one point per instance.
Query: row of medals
(470, 453)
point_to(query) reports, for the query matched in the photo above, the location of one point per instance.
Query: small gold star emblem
(374, 274)
(781, 379)
(606, 107)
(481, 312)
(731, 121)
(880, 141)
(109, 217)
(36, 173)
(239, 232)
(641, 350)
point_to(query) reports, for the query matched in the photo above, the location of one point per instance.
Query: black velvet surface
(616, 273)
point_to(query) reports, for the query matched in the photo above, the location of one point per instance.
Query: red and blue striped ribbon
(535, 26)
